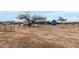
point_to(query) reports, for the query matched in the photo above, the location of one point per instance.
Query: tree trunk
(29, 23)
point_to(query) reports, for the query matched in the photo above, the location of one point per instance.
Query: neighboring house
(38, 20)
(41, 22)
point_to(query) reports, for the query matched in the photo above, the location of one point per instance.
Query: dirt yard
(41, 36)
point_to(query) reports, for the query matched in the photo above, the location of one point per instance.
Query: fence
(4, 28)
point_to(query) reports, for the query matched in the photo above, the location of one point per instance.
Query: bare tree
(61, 19)
(35, 17)
(26, 17)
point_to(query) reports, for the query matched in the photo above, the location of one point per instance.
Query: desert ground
(41, 36)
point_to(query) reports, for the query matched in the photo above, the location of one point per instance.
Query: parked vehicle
(54, 22)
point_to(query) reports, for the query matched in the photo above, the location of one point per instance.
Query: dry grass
(41, 36)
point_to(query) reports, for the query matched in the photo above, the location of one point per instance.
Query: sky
(71, 16)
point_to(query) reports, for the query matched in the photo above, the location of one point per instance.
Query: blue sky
(11, 15)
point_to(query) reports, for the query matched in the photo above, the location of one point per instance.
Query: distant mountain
(8, 22)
